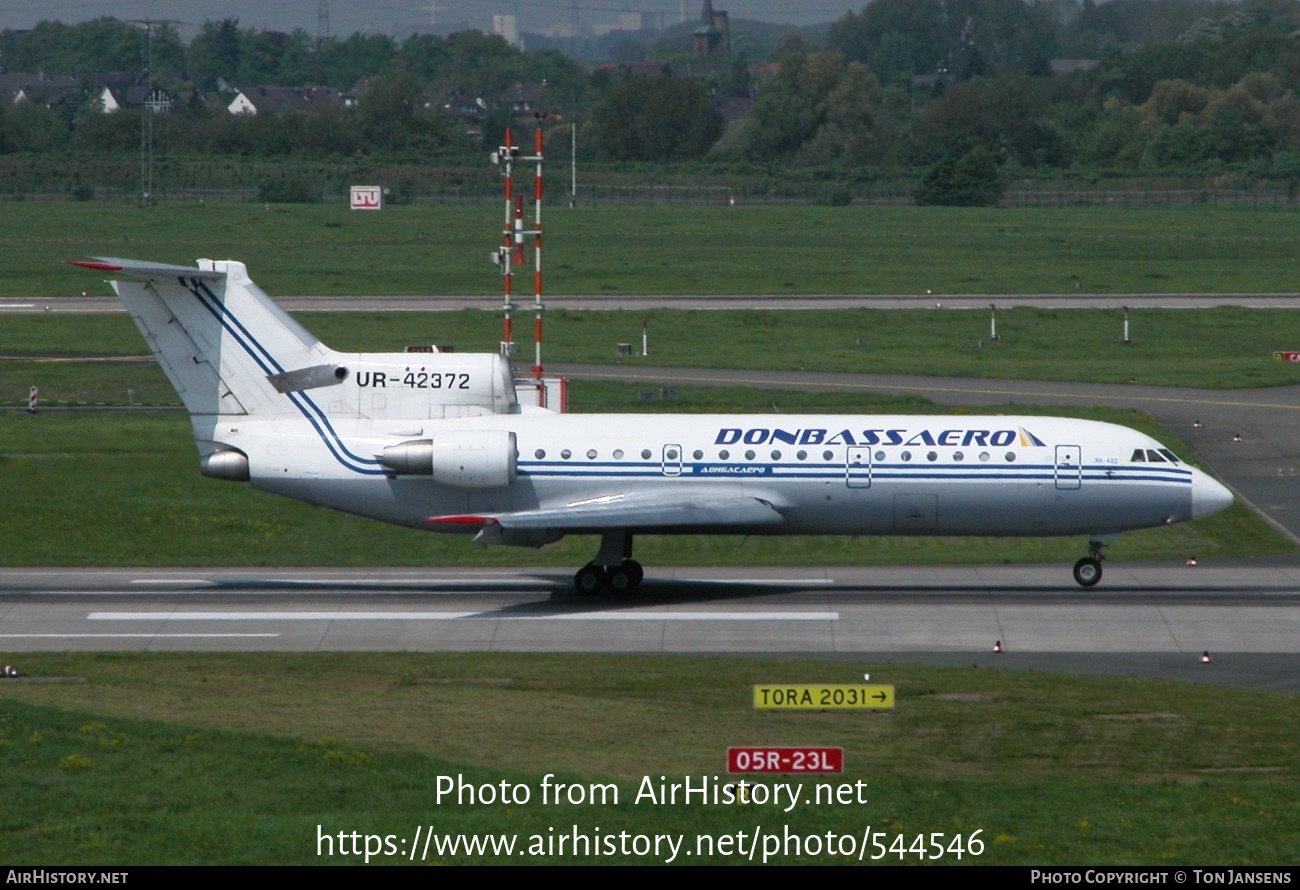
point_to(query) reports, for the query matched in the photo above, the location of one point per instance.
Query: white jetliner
(439, 441)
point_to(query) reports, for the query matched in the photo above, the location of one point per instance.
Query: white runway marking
(456, 616)
(130, 636)
(778, 582)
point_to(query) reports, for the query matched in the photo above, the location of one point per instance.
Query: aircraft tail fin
(226, 347)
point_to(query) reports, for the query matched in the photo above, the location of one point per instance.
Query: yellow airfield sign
(820, 697)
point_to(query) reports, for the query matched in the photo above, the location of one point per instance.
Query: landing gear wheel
(620, 581)
(625, 578)
(1087, 571)
(633, 568)
(590, 580)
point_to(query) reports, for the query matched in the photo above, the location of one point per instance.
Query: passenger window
(958, 456)
(749, 455)
(827, 455)
(802, 455)
(591, 454)
(1011, 457)
(618, 454)
(932, 457)
(776, 455)
(697, 454)
(539, 454)
(645, 454)
(566, 454)
(880, 455)
(906, 455)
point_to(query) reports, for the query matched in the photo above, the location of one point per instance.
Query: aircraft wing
(637, 510)
(143, 269)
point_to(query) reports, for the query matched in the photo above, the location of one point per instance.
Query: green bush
(971, 180)
(289, 187)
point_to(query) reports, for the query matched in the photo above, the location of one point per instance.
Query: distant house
(43, 89)
(525, 98)
(136, 95)
(452, 99)
(278, 100)
(647, 68)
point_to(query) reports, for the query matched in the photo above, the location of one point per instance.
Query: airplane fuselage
(824, 474)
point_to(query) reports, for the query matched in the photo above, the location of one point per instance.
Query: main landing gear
(1087, 571)
(613, 569)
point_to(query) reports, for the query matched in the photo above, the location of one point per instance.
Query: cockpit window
(1139, 456)
(1154, 457)
(1173, 459)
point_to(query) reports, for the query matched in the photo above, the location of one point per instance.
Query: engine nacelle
(463, 459)
(228, 464)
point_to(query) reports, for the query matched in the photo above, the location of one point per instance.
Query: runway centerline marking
(128, 636)
(458, 616)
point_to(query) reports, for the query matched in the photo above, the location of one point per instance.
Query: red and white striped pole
(31, 400)
(506, 160)
(537, 252)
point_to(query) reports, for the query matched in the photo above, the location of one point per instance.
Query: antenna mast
(514, 237)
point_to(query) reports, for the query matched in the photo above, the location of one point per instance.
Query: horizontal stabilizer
(143, 269)
(647, 511)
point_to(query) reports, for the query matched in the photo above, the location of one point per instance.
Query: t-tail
(226, 347)
(239, 362)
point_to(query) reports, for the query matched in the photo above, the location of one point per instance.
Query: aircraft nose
(1208, 496)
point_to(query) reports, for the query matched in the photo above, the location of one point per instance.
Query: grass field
(124, 489)
(327, 249)
(238, 758)
(1214, 348)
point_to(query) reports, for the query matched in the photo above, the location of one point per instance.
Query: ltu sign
(367, 197)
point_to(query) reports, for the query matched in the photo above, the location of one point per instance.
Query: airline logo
(964, 438)
(367, 197)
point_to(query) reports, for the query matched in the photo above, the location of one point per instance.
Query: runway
(1143, 620)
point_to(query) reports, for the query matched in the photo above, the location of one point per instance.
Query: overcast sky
(387, 16)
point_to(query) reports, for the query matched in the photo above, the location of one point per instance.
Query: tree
(1008, 115)
(816, 110)
(214, 52)
(971, 179)
(655, 119)
(959, 38)
(395, 116)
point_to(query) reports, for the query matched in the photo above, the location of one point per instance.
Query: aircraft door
(672, 460)
(1069, 467)
(857, 467)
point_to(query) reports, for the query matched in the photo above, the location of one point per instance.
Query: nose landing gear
(1087, 571)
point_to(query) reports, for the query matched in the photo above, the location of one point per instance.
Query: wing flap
(646, 511)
